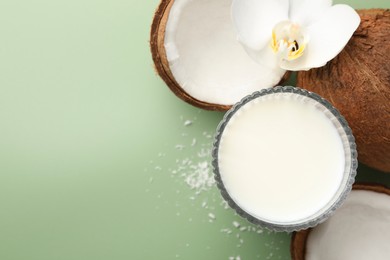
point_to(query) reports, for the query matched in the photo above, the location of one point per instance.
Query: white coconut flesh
(205, 57)
(359, 230)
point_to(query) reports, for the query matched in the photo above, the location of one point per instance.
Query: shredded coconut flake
(236, 224)
(179, 147)
(193, 142)
(187, 123)
(212, 216)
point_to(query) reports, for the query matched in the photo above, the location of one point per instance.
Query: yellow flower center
(288, 40)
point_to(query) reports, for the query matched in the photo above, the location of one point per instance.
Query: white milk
(281, 158)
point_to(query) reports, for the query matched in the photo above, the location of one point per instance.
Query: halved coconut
(196, 52)
(360, 229)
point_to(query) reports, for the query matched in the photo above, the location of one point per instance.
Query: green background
(95, 154)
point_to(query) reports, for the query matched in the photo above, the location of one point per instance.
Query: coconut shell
(157, 36)
(357, 83)
(299, 239)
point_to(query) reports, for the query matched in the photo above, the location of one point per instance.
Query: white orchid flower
(293, 34)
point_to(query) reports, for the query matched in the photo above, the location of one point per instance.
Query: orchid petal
(265, 57)
(328, 37)
(306, 12)
(255, 19)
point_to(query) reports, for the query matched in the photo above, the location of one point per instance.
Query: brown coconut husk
(157, 36)
(357, 83)
(299, 239)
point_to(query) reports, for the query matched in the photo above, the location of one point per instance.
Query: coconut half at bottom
(195, 51)
(367, 240)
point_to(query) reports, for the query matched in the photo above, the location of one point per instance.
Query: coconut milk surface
(281, 158)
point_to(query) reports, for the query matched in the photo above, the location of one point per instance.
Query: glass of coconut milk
(284, 158)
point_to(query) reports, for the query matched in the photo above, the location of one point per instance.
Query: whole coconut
(357, 82)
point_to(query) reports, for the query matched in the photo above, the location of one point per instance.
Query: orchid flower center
(288, 40)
